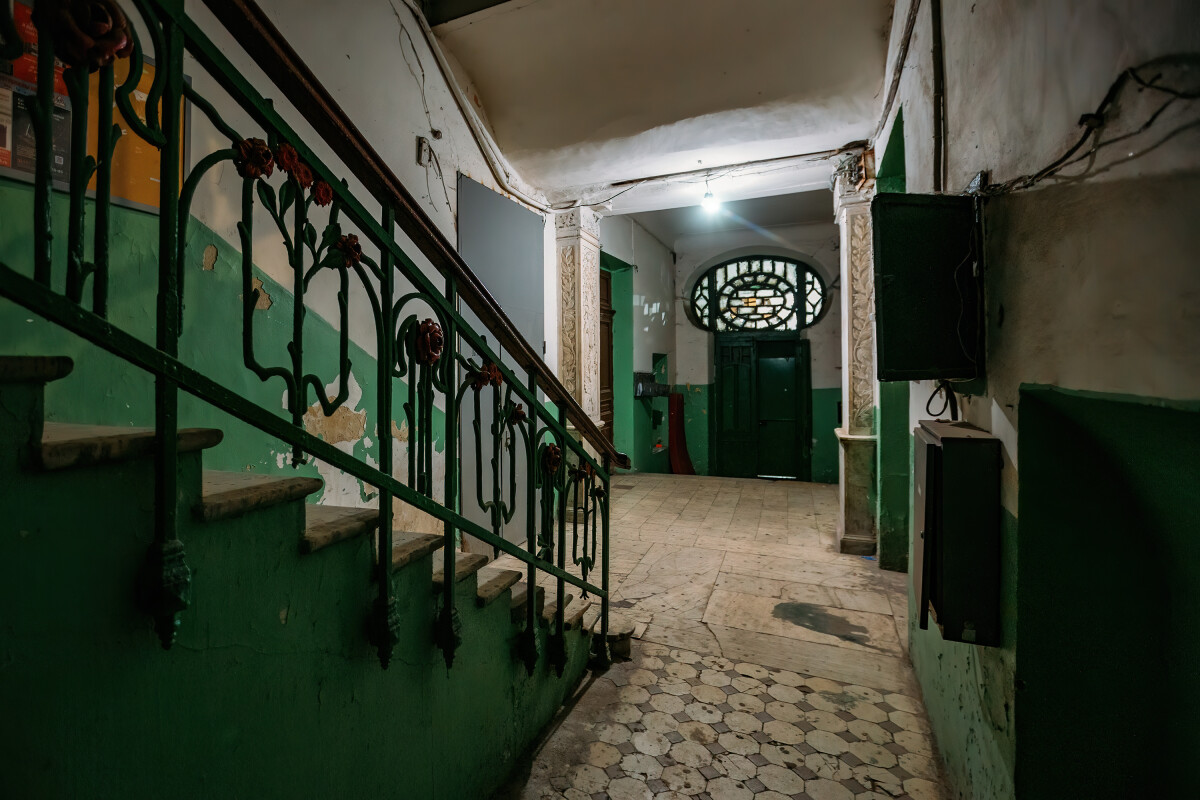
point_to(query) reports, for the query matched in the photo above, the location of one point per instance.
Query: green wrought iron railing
(427, 354)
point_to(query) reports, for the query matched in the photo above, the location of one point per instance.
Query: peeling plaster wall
(813, 244)
(1090, 286)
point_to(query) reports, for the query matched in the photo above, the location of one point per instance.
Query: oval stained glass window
(758, 293)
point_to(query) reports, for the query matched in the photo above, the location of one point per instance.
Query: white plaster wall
(814, 244)
(653, 308)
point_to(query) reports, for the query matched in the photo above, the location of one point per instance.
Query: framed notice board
(135, 173)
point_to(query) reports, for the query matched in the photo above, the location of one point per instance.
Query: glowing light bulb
(710, 203)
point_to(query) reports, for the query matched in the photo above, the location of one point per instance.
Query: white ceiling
(582, 94)
(669, 225)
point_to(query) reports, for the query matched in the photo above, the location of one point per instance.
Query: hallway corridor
(770, 666)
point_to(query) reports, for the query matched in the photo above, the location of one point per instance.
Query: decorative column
(857, 529)
(577, 240)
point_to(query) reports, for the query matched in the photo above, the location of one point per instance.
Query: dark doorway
(606, 353)
(762, 425)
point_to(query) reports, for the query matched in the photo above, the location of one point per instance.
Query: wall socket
(424, 152)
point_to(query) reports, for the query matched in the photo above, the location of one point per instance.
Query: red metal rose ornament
(254, 159)
(429, 342)
(89, 33)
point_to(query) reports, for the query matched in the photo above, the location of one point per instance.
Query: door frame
(803, 397)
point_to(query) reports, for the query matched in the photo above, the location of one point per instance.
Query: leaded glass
(758, 293)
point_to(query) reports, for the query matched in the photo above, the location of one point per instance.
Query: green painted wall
(893, 469)
(825, 443)
(645, 434)
(272, 688)
(623, 399)
(1109, 595)
(968, 690)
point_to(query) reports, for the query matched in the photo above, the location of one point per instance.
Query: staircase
(270, 687)
(311, 649)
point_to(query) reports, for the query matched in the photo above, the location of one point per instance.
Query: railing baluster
(559, 651)
(43, 131)
(106, 141)
(529, 637)
(386, 621)
(448, 624)
(166, 582)
(76, 80)
(604, 655)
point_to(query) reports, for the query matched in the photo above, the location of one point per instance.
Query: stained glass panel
(758, 294)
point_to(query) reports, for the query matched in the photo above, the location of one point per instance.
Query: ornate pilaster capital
(581, 221)
(854, 185)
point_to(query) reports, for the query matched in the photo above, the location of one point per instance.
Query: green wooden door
(762, 425)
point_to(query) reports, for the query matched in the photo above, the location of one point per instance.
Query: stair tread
(465, 565)
(408, 547)
(34, 369)
(520, 596)
(67, 444)
(229, 494)
(325, 525)
(573, 616)
(551, 608)
(493, 582)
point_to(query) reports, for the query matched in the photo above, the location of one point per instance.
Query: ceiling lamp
(710, 203)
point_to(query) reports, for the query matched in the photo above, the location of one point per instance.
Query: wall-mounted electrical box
(644, 385)
(929, 313)
(956, 555)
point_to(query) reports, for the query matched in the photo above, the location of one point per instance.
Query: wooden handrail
(253, 30)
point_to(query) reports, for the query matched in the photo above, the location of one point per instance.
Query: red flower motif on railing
(322, 193)
(518, 415)
(551, 459)
(254, 159)
(89, 33)
(430, 342)
(303, 175)
(286, 157)
(289, 161)
(347, 244)
(489, 374)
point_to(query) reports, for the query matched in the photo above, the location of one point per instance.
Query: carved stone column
(577, 240)
(857, 528)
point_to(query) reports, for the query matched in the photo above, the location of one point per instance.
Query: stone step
(465, 565)
(551, 608)
(573, 616)
(326, 525)
(34, 369)
(493, 582)
(66, 445)
(520, 596)
(409, 547)
(231, 494)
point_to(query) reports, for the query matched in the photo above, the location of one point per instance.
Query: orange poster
(135, 163)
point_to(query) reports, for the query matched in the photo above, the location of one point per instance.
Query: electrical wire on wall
(1149, 76)
(416, 68)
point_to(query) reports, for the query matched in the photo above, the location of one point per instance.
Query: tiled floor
(771, 666)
